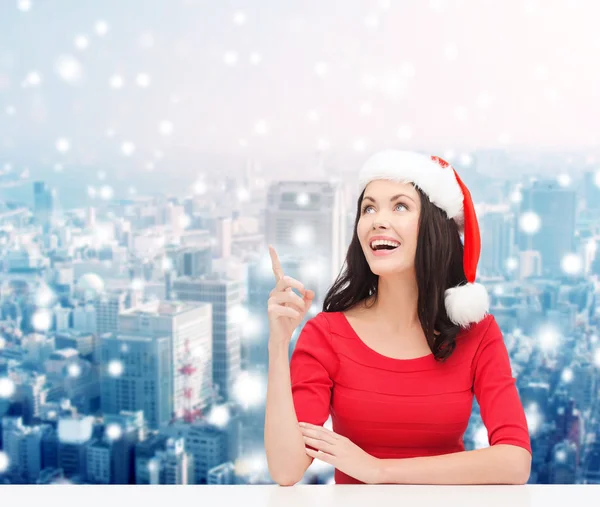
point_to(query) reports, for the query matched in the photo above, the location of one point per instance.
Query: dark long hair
(438, 266)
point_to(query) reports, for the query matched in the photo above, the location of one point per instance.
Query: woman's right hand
(285, 308)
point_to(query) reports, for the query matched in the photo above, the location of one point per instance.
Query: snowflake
(106, 192)
(101, 28)
(571, 264)
(7, 387)
(41, 320)
(239, 18)
(32, 79)
(143, 80)
(81, 42)
(313, 115)
(113, 431)
(564, 180)
(360, 145)
(530, 222)
(219, 416)
(115, 368)
(567, 375)
(165, 128)
(63, 145)
(4, 462)
(116, 82)
(548, 338)
(302, 199)
(303, 236)
(127, 148)
(261, 127)
(321, 69)
(24, 5)
(249, 389)
(69, 69)
(74, 370)
(252, 328)
(230, 58)
(534, 418)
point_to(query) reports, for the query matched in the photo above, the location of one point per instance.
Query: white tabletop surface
(303, 495)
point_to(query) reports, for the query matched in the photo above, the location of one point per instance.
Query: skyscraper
(137, 374)
(43, 202)
(307, 220)
(556, 208)
(181, 322)
(224, 295)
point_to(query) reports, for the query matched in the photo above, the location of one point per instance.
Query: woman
(402, 345)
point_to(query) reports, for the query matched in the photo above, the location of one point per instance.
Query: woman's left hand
(340, 452)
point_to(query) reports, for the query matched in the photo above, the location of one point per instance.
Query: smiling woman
(403, 344)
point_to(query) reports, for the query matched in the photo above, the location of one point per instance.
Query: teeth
(378, 242)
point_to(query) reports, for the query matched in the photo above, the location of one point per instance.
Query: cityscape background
(149, 153)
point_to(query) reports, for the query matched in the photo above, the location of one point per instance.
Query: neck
(396, 305)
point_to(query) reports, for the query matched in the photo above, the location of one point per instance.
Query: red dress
(405, 408)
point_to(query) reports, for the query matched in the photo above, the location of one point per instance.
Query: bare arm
(498, 464)
(284, 443)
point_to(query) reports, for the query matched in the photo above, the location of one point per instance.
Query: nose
(378, 224)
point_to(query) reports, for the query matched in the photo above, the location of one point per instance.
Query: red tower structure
(187, 369)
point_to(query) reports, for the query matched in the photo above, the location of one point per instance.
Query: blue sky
(271, 77)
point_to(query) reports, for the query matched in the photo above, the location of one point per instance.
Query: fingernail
(302, 424)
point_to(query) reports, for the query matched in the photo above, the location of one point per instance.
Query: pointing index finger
(277, 270)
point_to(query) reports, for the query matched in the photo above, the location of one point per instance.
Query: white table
(303, 495)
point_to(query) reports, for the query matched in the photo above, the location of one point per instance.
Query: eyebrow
(393, 198)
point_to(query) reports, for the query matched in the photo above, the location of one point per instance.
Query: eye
(366, 207)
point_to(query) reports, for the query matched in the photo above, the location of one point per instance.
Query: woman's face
(389, 209)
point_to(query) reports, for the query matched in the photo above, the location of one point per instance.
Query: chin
(382, 269)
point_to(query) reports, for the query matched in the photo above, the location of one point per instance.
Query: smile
(384, 251)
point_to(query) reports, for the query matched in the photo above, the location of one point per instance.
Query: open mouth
(379, 247)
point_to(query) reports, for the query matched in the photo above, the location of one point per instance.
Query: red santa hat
(468, 303)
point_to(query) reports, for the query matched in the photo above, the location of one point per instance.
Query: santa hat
(468, 303)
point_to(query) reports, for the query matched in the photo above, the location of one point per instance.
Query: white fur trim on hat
(467, 303)
(439, 183)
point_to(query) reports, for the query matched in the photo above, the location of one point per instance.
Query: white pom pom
(467, 303)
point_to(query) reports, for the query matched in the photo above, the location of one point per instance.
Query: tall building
(144, 452)
(84, 318)
(564, 463)
(497, 240)
(591, 463)
(74, 436)
(181, 322)
(131, 429)
(108, 305)
(43, 202)
(224, 296)
(556, 208)
(307, 220)
(22, 444)
(98, 462)
(191, 260)
(173, 465)
(137, 374)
